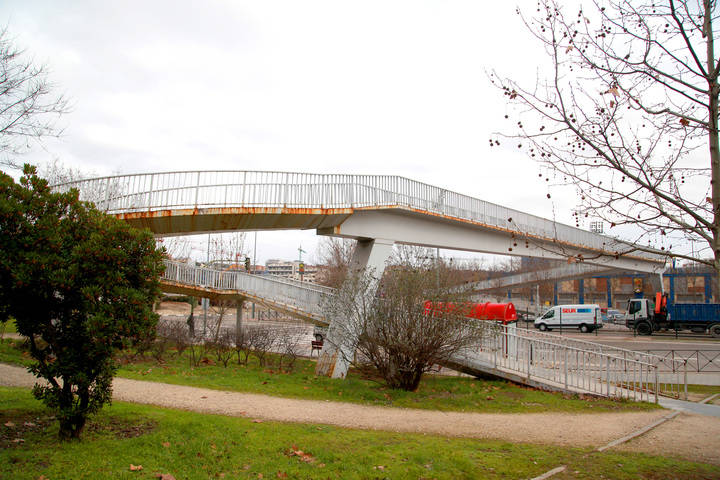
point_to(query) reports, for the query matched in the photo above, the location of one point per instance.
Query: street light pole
(253, 267)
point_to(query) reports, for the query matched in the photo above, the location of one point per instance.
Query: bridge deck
(360, 206)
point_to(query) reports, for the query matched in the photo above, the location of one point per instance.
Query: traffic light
(301, 268)
(247, 264)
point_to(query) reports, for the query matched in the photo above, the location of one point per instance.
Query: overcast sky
(371, 87)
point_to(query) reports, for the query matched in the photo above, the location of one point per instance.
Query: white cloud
(374, 87)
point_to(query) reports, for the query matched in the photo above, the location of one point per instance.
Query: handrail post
(152, 180)
(107, 195)
(672, 359)
(607, 375)
(529, 356)
(656, 383)
(496, 351)
(197, 190)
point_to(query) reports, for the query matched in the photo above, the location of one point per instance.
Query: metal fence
(697, 361)
(208, 189)
(575, 366)
(677, 364)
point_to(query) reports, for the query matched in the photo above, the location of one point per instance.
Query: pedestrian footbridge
(525, 356)
(383, 208)
(379, 211)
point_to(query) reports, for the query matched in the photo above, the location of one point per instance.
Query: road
(621, 337)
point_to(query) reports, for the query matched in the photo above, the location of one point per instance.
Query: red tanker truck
(504, 313)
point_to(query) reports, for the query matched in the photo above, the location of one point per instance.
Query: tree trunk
(72, 417)
(714, 142)
(72, 427)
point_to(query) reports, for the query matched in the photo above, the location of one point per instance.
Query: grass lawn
(704, 390)
(190, 445)
(435, 392)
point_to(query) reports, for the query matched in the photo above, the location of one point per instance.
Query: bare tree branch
(28, 109)
(629, 103)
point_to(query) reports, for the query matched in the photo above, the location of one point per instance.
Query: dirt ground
(175, 308)
(692, 437)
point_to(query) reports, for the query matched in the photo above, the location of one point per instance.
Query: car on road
(611, 315)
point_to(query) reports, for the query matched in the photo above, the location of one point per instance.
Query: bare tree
(166, 334)
(63, 177)
(395, 331)
(243, 345)
(228, 250)
(28, 108)
(177, 248)
(224, 347)
(261, 339)
(334, 256)
(628, 106)
(289, 343)
(221, 308)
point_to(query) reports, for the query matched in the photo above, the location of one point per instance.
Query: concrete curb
(710, 398)
(552, 472)
(637, 433)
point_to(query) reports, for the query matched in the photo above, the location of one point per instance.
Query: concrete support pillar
(338, 350)
(238, 313)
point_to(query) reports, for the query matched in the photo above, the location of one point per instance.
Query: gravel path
(567, 429)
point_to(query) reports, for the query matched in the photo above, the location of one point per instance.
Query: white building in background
(290, 269)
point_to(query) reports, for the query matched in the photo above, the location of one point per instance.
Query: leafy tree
(627, 112)
(28, 108)
(80, 285)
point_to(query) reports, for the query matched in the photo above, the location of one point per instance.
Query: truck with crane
(646, 316)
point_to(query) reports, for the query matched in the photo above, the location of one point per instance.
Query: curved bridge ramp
(299, 299)
(528, 357)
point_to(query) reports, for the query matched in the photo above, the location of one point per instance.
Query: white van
(584, 317)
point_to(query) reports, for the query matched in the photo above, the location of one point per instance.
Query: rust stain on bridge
(234, 211)
(200, 220)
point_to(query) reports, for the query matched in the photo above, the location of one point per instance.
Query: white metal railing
(301, 296)
(610, 374)
(647, 357)
(208, 189)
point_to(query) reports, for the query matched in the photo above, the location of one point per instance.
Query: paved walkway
(691, 407)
